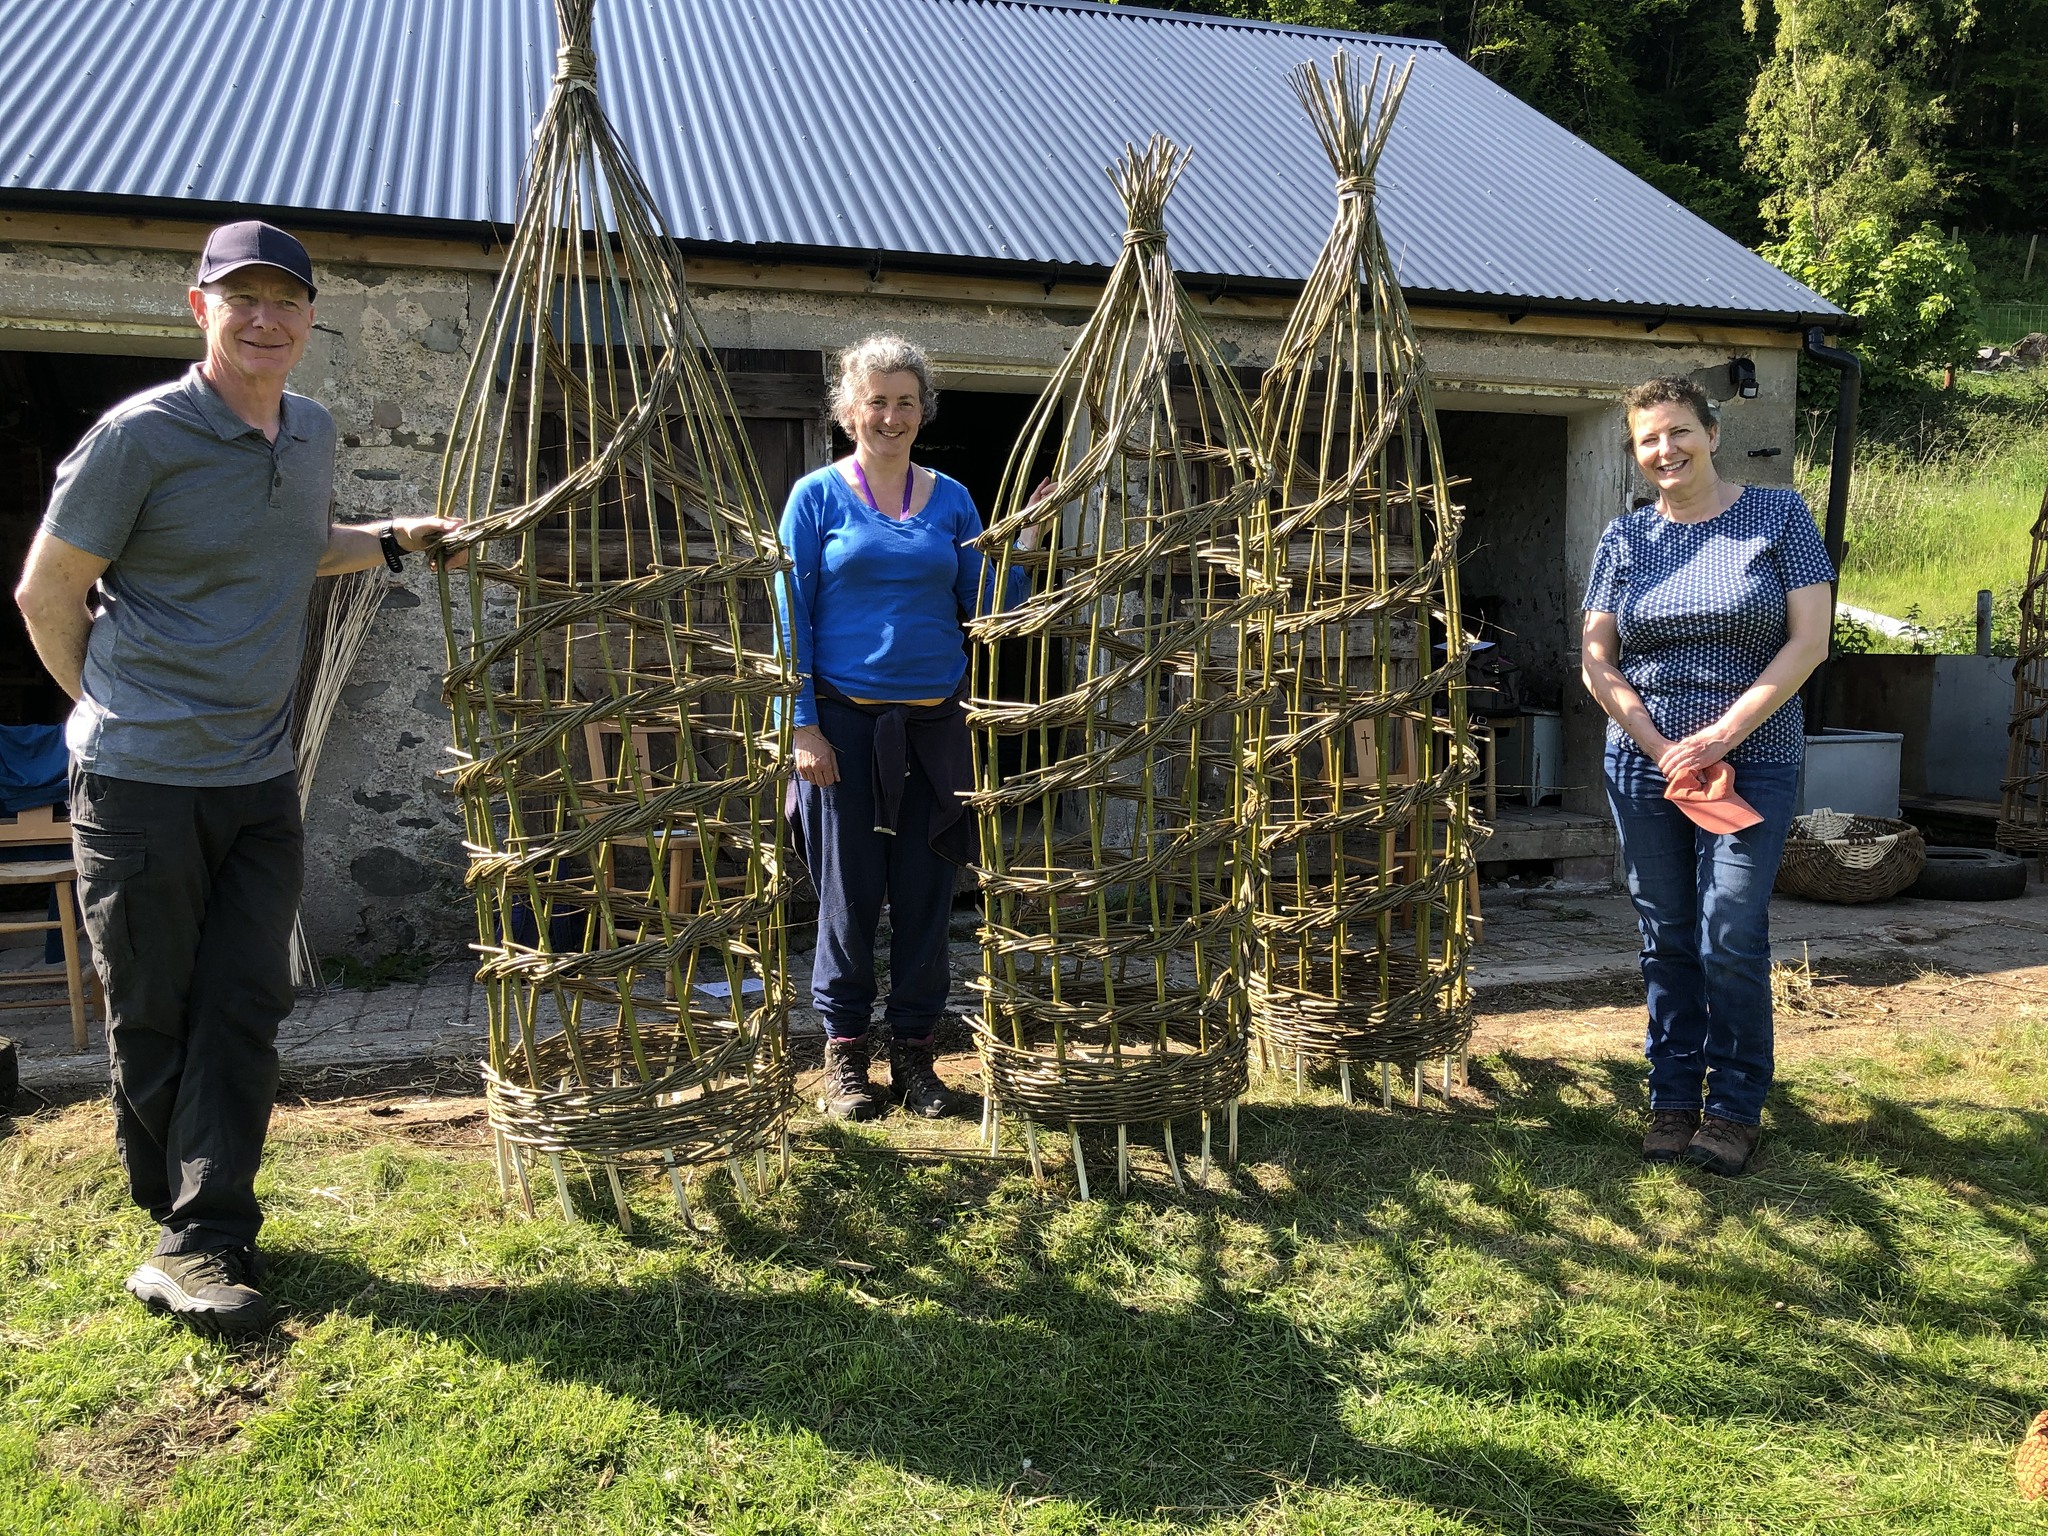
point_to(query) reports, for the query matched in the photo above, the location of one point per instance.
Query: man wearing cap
(167, 593)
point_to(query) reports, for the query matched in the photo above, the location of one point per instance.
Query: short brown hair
(881, 354)
(1672, 389)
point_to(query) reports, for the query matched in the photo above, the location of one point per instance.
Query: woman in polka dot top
(1706, 612)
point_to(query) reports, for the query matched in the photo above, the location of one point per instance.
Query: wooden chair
(44, 825)
(609, 771)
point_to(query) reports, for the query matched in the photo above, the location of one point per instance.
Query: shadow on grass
(952, 1320)
(1051, 1394)
(995, 1358)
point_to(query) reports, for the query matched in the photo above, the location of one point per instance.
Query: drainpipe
(1833, 531)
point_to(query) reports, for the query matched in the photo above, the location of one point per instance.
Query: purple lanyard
(909, 480)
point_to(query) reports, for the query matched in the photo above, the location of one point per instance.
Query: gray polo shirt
(214, 537)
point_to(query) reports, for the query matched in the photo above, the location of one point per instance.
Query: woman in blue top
(885, 569)
(1706, 612)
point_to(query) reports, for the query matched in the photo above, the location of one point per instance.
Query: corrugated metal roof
(964, 131)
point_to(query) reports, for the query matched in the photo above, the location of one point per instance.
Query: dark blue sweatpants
(857, 870)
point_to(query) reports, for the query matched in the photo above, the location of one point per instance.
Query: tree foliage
(1752, 111)
(1841, 114)
(1917, 297)
(1994, 79)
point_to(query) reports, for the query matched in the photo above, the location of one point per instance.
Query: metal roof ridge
(1208, 19)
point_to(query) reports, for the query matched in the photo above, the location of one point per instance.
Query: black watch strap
(393, 555)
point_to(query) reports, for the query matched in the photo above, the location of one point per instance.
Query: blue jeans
(856, 869)
(1704, 900)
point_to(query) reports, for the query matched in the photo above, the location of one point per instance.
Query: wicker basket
(1830, 856)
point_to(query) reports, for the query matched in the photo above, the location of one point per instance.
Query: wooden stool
(43, 826)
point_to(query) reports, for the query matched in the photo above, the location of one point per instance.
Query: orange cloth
(1708, 797)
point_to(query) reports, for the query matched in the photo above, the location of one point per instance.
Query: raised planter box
(1951, 710)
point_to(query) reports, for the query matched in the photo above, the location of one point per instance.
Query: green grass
(1944, 496)
(1487, 1320)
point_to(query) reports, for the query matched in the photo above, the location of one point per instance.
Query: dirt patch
(324, 1084)
(1822, 1009)
(130, 1456)
(444, 1118)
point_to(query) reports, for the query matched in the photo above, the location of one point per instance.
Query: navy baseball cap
(253, 243)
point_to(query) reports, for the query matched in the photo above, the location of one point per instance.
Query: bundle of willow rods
(1366, 842)
(1115, 844)
(2023, 798)
(615, 684)
(341, 623)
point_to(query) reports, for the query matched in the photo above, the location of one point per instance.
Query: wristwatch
(387, 541)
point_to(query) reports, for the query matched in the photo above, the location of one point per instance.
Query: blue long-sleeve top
(874, 605)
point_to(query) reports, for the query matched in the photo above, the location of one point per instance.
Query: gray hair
(880, 354)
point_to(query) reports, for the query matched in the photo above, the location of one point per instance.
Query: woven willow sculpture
(1366, 843)
(2023, 805)
(614, 690)
(1115, 846)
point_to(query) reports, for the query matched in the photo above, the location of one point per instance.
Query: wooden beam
(99, 231)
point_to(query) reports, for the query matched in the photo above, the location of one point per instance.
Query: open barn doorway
(1516, 598)
(48, 400)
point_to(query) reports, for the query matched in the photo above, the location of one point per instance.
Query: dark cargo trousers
(189, 896)
(857, 870)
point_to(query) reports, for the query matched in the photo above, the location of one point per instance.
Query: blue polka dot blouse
(1700, 608)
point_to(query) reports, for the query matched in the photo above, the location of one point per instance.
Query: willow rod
(1364, 870)
(618, 690)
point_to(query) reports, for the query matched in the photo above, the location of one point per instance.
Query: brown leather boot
(847, 1093)
(914, 1080)
(1670, 1133)
(1723, 1147)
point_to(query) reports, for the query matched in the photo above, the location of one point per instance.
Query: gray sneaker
(213, 1292)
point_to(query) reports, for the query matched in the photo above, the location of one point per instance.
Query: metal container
(1855, 772)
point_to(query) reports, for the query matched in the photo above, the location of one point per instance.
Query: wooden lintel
(711, 273)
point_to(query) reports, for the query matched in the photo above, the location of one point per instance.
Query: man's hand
(418, 533)
(1034, 534)
(816, 762)
(355, 546)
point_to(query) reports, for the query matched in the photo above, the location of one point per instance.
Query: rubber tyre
(1969, 874)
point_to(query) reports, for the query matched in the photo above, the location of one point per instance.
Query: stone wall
(385, 860)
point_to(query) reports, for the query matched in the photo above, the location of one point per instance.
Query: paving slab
(1537, 936)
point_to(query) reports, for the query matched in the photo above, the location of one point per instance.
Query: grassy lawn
(1484, 1316)
(1944, 496)
(1946, 490)
(1932, 537)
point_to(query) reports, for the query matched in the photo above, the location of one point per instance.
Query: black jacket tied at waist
(937, 735)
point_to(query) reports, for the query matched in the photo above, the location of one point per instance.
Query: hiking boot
(1721, 1146)
(1670, 1133)
(212, 1292)
(848, 1095)
(914, 1080)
